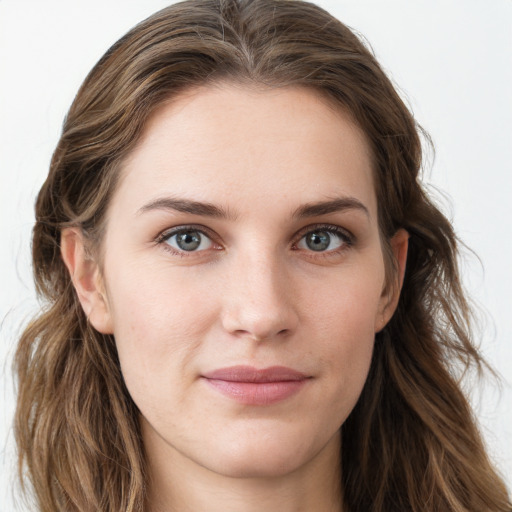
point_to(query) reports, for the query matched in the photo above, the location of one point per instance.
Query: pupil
(189, 240)
(318, 241)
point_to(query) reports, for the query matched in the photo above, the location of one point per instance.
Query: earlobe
(389, 300)
(86, 278)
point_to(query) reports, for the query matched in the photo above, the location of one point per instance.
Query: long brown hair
(411, 442)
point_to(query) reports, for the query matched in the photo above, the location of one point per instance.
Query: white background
(453, 62)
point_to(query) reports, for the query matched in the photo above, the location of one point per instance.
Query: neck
(177, 483)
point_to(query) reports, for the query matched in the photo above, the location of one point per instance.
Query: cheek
(345, 324)
(350, 304)
(159, 321)
(146, 298)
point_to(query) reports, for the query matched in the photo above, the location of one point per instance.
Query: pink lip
(250, 386)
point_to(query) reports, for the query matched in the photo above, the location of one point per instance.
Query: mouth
(251, 386)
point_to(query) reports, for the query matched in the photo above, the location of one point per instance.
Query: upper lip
(251, 374)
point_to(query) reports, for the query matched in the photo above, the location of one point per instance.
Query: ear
(86, 277)
(389, 299)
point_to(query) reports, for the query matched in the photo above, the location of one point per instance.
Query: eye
(324, 240)
(187, 240)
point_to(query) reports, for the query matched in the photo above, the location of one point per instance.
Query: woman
(252, 303)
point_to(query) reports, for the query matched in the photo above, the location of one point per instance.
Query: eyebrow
(187, 206)
(332, 206)
(206, 209)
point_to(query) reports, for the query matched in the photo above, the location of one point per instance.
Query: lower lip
(257, 393)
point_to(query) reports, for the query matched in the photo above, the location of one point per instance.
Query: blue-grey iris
(188, 240)
(318, 240)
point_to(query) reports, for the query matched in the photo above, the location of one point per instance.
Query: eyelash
(163, 237)
(347, 239)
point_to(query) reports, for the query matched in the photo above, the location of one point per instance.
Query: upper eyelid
(168, 232)
(334, 228)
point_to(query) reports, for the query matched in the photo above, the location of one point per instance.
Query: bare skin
(244, 232)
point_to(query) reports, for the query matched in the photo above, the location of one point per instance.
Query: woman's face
(244, 277)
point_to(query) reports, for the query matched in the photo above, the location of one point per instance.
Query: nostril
(265, 314)
(261, 336)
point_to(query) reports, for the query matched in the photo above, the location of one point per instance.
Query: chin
(268, 457)
(262, 465)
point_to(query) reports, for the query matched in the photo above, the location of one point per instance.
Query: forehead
(236, 144)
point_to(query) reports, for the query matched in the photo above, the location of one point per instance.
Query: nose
(260, 303)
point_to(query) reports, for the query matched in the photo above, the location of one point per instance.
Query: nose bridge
(259, 303)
